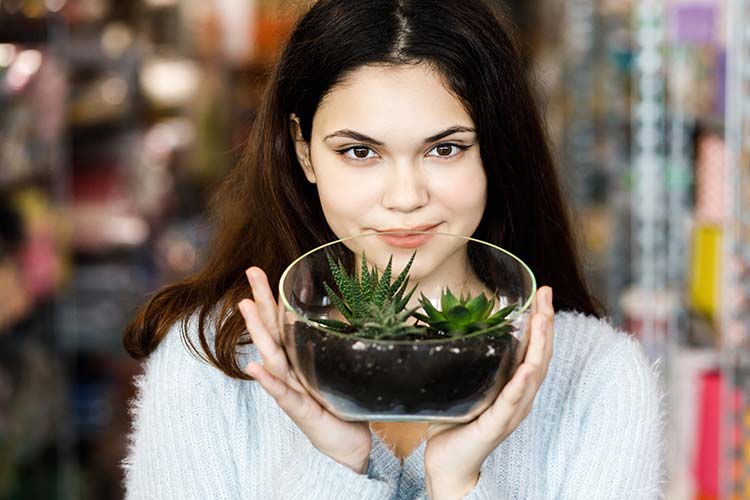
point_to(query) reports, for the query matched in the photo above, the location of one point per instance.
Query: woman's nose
(405, 188)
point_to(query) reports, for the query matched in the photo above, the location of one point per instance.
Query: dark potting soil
(364, 377)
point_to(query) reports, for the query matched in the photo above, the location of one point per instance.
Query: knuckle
(281, 392)
(541, 321)
(307, 411)
(532, 374)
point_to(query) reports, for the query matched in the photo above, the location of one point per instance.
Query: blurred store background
(117, 119)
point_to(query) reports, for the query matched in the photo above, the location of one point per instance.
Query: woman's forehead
(393, 101)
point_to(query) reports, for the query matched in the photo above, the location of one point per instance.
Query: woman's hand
(454, 453)
(346, 442)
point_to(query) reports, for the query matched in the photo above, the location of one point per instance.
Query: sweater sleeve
(313, 474)
(619, 450)
(619, 446)
(596, 430)
(179, 445)
(193, 437)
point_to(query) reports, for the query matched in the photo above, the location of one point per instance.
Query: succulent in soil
(374, 306)
(462, 316)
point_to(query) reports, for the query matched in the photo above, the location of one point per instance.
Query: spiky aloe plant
(461, 316)
(374, 306)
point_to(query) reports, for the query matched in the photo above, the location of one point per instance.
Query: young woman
(387, 114)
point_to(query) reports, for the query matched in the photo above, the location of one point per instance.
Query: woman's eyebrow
(362, 137)
(452, 130)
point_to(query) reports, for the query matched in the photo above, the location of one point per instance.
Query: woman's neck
(402, 437)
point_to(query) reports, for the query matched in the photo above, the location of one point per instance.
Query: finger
(528, 328)
(493, 422)
(273, 356)
(550, 327)
(549, 311)
(527, 399)
(546, 305)
(535, 354)
(299, 406)
(535, 307)
(264, 299)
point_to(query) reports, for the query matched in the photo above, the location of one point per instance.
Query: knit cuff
(313, 474)
(485, 489)
(413, 479)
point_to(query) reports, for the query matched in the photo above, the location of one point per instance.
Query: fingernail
(250, 277)
(243, 307)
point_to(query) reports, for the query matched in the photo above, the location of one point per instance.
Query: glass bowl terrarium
(406, 326)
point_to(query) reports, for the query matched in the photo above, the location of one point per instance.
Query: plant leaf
(350, 289)
(431, 311)
(421, 317)
(448, 300)
(458, 314)
(502, 313)
(333, 324)
(366, 283)
(501, 330)
(402, 278)
(342, 281)
(337, 302)
(402, 302)
(384, 285)
(488, 308)
(477, 307)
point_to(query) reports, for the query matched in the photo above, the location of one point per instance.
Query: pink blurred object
(710, 204)
(39, 261)
(708, 457)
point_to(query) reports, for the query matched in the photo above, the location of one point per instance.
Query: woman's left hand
(454, 453)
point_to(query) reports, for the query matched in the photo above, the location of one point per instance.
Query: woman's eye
(444, 150)
(358, 153)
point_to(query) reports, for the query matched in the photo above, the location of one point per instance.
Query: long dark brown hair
(266, 214)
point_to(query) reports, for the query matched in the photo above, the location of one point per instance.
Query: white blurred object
(685, 368)
(54, 5)
(23, 67)
(116, 39)
(99, 226)
(7, 54)
(238, 20)
(169, 82)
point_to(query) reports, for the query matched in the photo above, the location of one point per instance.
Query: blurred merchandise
(705, 272)
(687, 369)
(169, 83)
(643, 309)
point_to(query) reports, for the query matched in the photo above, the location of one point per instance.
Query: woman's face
(392, 148)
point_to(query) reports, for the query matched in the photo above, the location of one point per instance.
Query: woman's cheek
(345, 203)
(464, 191)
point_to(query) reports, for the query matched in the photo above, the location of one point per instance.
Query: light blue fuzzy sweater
(595, 431)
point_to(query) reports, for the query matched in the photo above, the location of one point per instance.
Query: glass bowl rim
(514, 315)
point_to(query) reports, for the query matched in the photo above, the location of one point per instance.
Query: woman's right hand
(346, 442)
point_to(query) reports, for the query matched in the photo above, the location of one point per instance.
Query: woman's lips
(408, 239)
